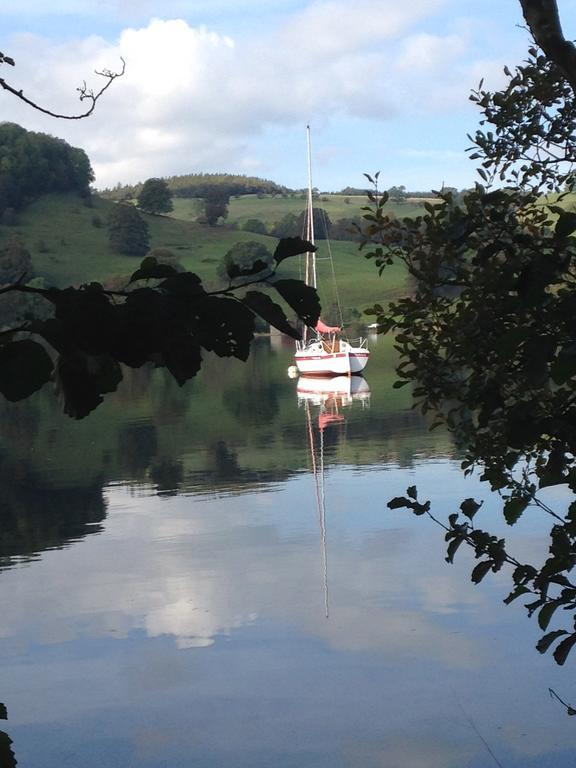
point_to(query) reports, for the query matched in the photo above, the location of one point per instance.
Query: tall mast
(311, 257)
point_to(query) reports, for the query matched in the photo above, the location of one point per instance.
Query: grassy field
(271, 209)
(67, 248)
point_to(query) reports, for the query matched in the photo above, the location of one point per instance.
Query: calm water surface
(187, 582)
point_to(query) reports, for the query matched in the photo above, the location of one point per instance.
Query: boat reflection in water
(329, 396)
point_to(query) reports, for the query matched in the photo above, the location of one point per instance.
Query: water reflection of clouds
(240, 580)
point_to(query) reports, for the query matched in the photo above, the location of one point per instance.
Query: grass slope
(271, 209)
(67, 249)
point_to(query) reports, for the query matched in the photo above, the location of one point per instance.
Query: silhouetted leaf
(513, 509)
(25, 366)
(150, 269)
(564, 648)
(183, 357)
(81, 381)
(469, 507)
(302, 298)
(399, 502)
(545, 642)
(566, 224)
(263, 306)
(226, 326)
(292, 246)
(3, 712)
(546, 613)
(480, 571)
(7, 759)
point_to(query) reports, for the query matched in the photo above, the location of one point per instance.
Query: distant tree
(216, 201)
(128, 231)
(397, 194)
(322, 224)
(256, 226)
(155, 197)
(32, 164)
(249, 257)
(288, 226)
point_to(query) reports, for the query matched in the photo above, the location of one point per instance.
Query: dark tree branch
(86, 94)
(544, 21)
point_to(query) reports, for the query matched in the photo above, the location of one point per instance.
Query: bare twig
(86, 94)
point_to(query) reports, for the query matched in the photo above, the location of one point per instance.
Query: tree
(322, 223)
(256, 226)
(216, 200)
(247, 256)
(487, 338)
(128, 231)
(32, 164)
(155, 197)
(397, 194)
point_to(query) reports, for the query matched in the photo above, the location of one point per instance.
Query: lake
(209, 577)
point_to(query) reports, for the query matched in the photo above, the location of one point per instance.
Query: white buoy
(292, 371)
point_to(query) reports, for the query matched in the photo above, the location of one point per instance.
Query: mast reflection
(329, 396)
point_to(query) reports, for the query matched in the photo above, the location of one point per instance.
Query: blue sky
(224, 85)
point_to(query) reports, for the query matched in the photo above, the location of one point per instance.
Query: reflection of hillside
(35, 517)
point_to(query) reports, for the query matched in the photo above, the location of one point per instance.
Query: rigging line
(477, 732)
(330, 256)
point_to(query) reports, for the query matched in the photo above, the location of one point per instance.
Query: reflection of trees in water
(167, 474)
(138, 443)
(223, 471)
(35, 517)
(253, 405)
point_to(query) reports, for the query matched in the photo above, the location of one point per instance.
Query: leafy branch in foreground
(85, 94)
(548, 584)
(487, 338)
(168, 321)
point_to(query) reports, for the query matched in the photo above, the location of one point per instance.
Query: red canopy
(323, 328)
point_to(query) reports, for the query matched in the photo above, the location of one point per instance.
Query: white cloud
(196, 100)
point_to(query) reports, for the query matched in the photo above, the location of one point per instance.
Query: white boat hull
(315, 360)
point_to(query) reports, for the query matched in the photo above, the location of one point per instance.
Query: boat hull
(316, 363)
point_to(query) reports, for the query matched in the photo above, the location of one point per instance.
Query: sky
(229, 85)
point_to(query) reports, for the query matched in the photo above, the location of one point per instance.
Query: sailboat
(323, 351)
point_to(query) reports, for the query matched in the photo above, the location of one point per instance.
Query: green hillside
(271, 209)
(68, 248)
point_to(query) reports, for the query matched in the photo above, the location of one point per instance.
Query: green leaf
(262, 305)
(25, 366)
(545, 642)
(292, 246)
(302, 298)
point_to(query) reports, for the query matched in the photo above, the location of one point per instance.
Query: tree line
(33, 164)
